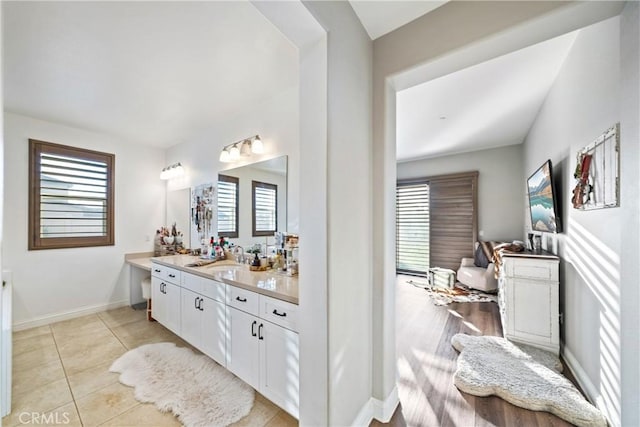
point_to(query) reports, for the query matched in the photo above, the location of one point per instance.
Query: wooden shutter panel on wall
(454, 218)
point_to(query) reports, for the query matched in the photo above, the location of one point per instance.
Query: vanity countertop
(270, 283)
(140, 259)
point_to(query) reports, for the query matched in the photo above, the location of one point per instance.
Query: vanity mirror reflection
(252, 202)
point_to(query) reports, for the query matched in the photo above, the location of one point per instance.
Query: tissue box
(442, 277)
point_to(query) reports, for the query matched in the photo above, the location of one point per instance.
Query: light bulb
(256, 146)
(224, 156)
(178, 170)
(245, 148)
(234, 153)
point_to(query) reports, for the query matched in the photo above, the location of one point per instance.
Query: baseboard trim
(593, 394)
(378, 409)
(66, 315)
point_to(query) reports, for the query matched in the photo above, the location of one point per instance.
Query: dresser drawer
(531, 269)
(243, 299)
(279, 312)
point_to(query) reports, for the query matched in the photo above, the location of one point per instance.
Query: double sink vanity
(244, 320)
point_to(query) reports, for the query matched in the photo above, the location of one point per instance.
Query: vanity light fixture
(172, 171)
(245, 147)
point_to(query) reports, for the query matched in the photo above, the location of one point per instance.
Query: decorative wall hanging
(598, 173)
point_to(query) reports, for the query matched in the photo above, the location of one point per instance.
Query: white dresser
(528, 296)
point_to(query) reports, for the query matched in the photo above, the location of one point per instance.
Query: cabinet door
(242, 346)
(213, 329)
(190, 314)
(279, 366)
(533, 305)
(158, 309)
(172, 307)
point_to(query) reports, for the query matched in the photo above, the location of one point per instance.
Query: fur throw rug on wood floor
(460, 293)
(522, 375)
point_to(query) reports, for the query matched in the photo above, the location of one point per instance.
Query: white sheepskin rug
(195, 388)
(531, 380)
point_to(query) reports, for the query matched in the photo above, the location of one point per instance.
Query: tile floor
(62, 371)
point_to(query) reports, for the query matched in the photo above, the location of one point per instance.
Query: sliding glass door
(412, 228)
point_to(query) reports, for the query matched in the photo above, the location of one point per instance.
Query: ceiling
(155, 75)
(382, 17)
(489, 105)
(161, 75)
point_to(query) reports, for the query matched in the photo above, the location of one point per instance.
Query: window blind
(265, 218)
(412, 228)
(227, 206)
(454, 218)
(73, 197)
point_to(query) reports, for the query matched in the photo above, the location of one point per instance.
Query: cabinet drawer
(171, 275)
(207, 287)
(242, 299)
(279, 312)
(156, 270)
(166, 273)
(532, 269)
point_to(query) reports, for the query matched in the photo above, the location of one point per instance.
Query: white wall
(501, 193)
(584, 101)
(51, 284)
(630, 205)
(349, 210)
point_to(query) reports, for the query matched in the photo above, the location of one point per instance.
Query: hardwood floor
(427, 362)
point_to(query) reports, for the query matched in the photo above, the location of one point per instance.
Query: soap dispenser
(256, 261)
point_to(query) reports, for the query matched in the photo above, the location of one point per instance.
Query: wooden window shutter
(453, 217)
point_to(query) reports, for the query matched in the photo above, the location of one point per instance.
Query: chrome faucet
(238, 252)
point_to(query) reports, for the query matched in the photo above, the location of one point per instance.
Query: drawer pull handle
(241, 299)
(260, 336)
(172, 275)
(279, 314)
(156, 270)
(253, 328)
(200, 304)
(195, 303)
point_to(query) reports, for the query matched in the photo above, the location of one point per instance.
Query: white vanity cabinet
(252, 335)
(165, 297)
(265, 354)
(529, 299)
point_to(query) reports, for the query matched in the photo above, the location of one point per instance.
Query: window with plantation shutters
(265, 212)
(412, 228)
(70, 197)
(227, 206)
